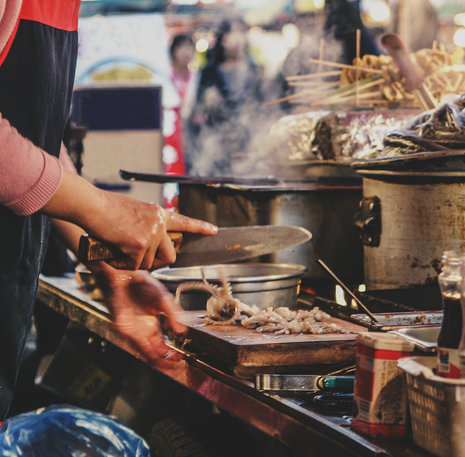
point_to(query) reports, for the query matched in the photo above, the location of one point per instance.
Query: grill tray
(393, 308)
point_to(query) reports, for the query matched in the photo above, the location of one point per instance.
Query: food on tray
(440, 69)
(285, 321)
(340, 136)
(375, 81)
(434, 130)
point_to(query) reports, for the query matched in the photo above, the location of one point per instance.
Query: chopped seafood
(224, 309)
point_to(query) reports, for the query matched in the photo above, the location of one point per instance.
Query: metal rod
(373, 318)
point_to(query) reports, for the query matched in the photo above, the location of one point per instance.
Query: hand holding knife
(228, 245)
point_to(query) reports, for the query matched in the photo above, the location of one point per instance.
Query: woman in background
(183, 75)
(230, 90)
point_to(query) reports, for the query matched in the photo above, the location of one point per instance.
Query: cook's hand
(135, 299)
(138, 229)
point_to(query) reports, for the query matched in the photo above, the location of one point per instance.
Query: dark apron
(36, 81)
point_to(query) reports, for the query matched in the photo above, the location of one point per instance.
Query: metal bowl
(261, 284)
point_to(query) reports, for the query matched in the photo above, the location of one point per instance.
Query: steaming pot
(413, 209)
(327, 211)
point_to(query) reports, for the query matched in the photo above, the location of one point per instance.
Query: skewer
(313, 75)
(347, 97)
(300, 101)
(343, 65)
(346, 90)
(322, 45)
(458, 82)
(315, 84)
(370, 315)
(362, 95)
(357, 45)
(290, 97)
(351, 89)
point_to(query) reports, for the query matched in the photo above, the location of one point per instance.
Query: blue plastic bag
(67, 431)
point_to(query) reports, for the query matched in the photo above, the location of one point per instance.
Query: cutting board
(247, 352)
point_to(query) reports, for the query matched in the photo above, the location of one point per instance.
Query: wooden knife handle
(92, 250)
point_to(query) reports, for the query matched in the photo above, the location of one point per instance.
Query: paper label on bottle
(448, 363)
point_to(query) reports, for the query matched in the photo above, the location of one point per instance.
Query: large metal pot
(413, 209)
(262, 284)
(327, 211)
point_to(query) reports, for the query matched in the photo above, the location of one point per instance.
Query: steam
(239, 146)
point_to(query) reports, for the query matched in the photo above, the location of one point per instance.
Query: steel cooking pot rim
(295, 270)
(317, 162)
(413, 156)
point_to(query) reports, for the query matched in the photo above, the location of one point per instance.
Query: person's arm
(134, 299)
(32, 180)
(28, 175)
(138, 229)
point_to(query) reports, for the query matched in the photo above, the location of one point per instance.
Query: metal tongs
(369, 313)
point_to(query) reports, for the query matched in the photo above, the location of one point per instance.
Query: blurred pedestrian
(230, 89)
(343, 19)
(184, 75)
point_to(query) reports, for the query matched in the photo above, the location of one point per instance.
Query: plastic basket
(437, 407)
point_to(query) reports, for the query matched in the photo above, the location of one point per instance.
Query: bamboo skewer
(322, 45)
(315, 84)
(347, 98)
(313, 75)
(356, 72)
(343, 65)
(352, 89)
(346, 91)
(291, 97)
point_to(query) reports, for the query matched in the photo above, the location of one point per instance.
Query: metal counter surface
(286, 418)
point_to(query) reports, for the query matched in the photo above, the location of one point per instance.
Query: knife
(303, 383)
(228, 245)
(197, 180)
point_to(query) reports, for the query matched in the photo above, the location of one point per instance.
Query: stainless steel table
(288, 419)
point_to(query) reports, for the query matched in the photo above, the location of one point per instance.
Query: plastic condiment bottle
(450, 282)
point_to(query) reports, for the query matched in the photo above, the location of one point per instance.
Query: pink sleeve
(29, 177)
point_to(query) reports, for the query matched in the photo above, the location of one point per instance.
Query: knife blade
(228, 245)
(197, 180)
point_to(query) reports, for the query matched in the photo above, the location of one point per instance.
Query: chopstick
(370, 315)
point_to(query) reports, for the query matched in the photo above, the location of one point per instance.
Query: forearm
(28, 175)
(69, 234)
(76, 200)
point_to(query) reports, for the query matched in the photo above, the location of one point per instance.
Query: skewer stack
(373, 81)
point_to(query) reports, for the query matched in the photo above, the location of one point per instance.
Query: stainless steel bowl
(261, 284)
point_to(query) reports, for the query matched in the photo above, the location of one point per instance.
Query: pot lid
(446, 163)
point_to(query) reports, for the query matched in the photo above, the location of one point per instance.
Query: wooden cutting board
(247, 352)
